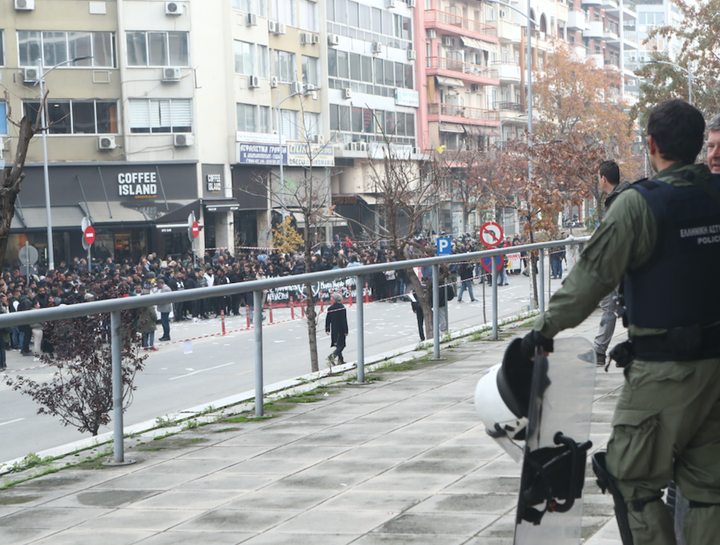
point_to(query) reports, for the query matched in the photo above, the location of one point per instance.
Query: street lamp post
(48, 215)
(279, 124)
(686, 70)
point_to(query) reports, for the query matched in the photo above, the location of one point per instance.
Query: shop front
(136, 208)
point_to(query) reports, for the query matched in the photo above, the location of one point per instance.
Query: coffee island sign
(141, 185)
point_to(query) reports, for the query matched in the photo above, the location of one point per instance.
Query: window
(289, 122)
(58, 47)
(309, 16)
(340, 118)
(158, 49)
(160, 115)
(2, 48)
(246, 117)
(365, 19)
(311, 123)
(265, 119)
(3, 119)
(377, 20)
(263, 61)
(310, 70)
(285, 66)
(353, 14)
(284, 11)
(244, 58)
(77, 116)
(258, 7)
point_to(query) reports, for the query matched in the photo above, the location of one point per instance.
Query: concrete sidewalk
(403, 460)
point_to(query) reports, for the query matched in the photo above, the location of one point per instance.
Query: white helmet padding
(502, 394)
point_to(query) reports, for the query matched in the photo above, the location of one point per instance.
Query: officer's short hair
(678, 130)
(611, 171)
(714, 124)
(337, 297)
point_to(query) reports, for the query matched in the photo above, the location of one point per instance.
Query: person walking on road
(667, 418)
(336, 326)
(147, 324)
(609, 177)
(466, 273)
(164, 310)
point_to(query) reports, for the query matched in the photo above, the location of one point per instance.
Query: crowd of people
(76, 282)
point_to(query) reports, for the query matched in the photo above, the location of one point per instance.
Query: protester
(336, 326)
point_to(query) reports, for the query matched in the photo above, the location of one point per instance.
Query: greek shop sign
(261, 154)
(141, 185)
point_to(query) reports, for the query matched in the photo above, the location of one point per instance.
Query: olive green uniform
(667, 421)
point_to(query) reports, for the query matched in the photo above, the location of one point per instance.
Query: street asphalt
(401, 460)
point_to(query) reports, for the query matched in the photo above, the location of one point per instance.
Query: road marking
(11, 421)
(201, 370)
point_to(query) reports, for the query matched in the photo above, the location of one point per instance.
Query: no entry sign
(491, 234)
(195, 229)
(89, 235)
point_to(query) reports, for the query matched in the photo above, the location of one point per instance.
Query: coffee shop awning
(33, 218)
(140, 212)
(331, 219)
(221, 205)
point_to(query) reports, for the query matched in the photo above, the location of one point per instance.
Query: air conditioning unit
(389, 3)
(174, 8)
(448, 41)
(376, 47)
(273, 82)
(280, 28)
(253, 82)
(296, 87)
(362, 146)
(308, 88)
(417, 151)
(305, 38)
(352, 146)
(24, 5)
(503, 14)
(106, 142)
(183, 140)
(272, 27)
(633, 59)
(30, 74)
(474, 87)
(251, 19)
(411, 55)
(347, 93)
(315, 39)
(411, 3)
(430, 33)
(333, 39)
(317, 139)
(170, 73)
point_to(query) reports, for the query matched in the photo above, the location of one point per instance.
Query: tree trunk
(310, 312)
(10, 184)
(425, 300)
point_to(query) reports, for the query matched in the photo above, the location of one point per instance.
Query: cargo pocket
(635, 450)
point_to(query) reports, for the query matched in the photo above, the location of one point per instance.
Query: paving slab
(400, 461)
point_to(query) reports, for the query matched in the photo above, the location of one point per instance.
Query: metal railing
(115, 306)
(462, 67)
(459, 21)
(457, 110)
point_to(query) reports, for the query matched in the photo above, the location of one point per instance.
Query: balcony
(465, 71)
(460, 26)
(515, 107)
(456, 113)
(507, 71)
(596, 30)
(509, 32)
(578, 20)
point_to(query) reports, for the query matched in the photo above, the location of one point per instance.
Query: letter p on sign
(443, 246)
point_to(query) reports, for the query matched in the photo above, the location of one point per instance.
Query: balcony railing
(442, 63)
(509, 107)
(460, 22)
(456, 110)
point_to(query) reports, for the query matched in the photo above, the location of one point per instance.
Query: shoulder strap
(707, 188)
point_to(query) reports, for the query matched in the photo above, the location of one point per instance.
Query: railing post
(359, 284)
(541, 279)
(257, 323)
(493, 268)
(117, 385)
(436, 311)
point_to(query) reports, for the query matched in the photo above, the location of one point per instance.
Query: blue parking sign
(443, 246)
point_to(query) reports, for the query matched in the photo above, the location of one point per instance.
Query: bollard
(366, 295)
(322, 303)
(302, 310)
(292, 311)
(222, 321)
(248, 320)
(271, 318)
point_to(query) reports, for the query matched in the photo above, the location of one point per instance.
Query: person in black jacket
(337, 327)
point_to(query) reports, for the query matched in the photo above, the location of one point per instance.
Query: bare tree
(12, 176)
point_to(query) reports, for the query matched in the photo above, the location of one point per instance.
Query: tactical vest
(666, 292)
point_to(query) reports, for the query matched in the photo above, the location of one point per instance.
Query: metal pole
(117, 385)
(27, 264)
(541, 279)
(493, 268)
(282, 173)
(257, 324)
(48, 215)
(359, 286)
(436, 311)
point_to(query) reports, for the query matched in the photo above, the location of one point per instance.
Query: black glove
(533, 340)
